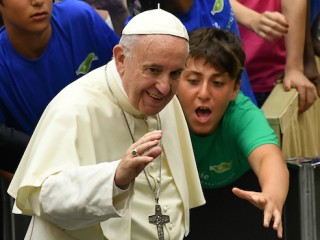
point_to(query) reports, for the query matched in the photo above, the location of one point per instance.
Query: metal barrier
(307, 195)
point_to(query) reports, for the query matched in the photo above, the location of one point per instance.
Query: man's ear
(236, 90)
(119, 58)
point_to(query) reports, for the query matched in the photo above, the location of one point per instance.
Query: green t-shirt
(222, 157)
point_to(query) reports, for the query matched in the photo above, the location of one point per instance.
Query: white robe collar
(117, 89)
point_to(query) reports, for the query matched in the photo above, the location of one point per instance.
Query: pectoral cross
(159, 220)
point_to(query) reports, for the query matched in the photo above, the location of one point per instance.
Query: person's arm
(268, 25)
(12, 146)
(94, 193)
(177, 6)
(88, 193)
(118, 11)
(273, 175)
(295, 12)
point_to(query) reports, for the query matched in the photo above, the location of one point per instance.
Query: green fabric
(222, 157)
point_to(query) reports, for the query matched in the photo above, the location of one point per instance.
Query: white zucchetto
(156, 21)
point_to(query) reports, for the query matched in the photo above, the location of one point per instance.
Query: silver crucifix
(159, 220)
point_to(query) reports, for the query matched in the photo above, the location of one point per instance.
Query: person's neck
(30, 45)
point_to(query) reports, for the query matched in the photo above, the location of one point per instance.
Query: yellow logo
(222, 167)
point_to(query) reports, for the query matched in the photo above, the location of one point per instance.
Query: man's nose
(163, 85)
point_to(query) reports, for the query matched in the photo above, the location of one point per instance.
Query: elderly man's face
(150, 75)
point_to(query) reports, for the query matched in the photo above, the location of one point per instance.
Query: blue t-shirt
(222, 157)
(219, 14)
(80, 42)
(314, 10)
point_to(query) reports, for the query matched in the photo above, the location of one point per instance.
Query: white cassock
(66, 177)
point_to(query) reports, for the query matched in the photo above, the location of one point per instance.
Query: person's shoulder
(4, 45)
(244, 103)
(76, 17)
(92, 81)
(74, 4)
(242, 110)
(71, 8)
(3, 35)
(81, 93)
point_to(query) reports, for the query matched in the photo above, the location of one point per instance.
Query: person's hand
(270, 25)
(131, 166)
(307, 90)
(271, 211)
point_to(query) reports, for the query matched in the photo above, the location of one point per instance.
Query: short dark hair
(221, 49)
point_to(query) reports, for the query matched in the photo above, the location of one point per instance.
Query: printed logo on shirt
(222, 167)
(217, 7)
(86, 64)
(214, 181)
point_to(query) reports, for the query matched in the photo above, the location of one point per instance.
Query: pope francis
(111, 156)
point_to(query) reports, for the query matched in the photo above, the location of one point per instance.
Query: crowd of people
(139, 119)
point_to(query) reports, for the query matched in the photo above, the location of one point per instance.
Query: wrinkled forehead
(165, 51)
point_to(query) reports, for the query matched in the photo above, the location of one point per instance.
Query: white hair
(128, 42)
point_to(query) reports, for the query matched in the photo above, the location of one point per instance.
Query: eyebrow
(152, 65)
(192, 72)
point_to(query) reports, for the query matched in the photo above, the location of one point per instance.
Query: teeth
(154, 96)
(203, 108)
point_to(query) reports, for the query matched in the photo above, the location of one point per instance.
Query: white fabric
(97, 203)
(156, 21)
(66, 175)
(109, 22)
